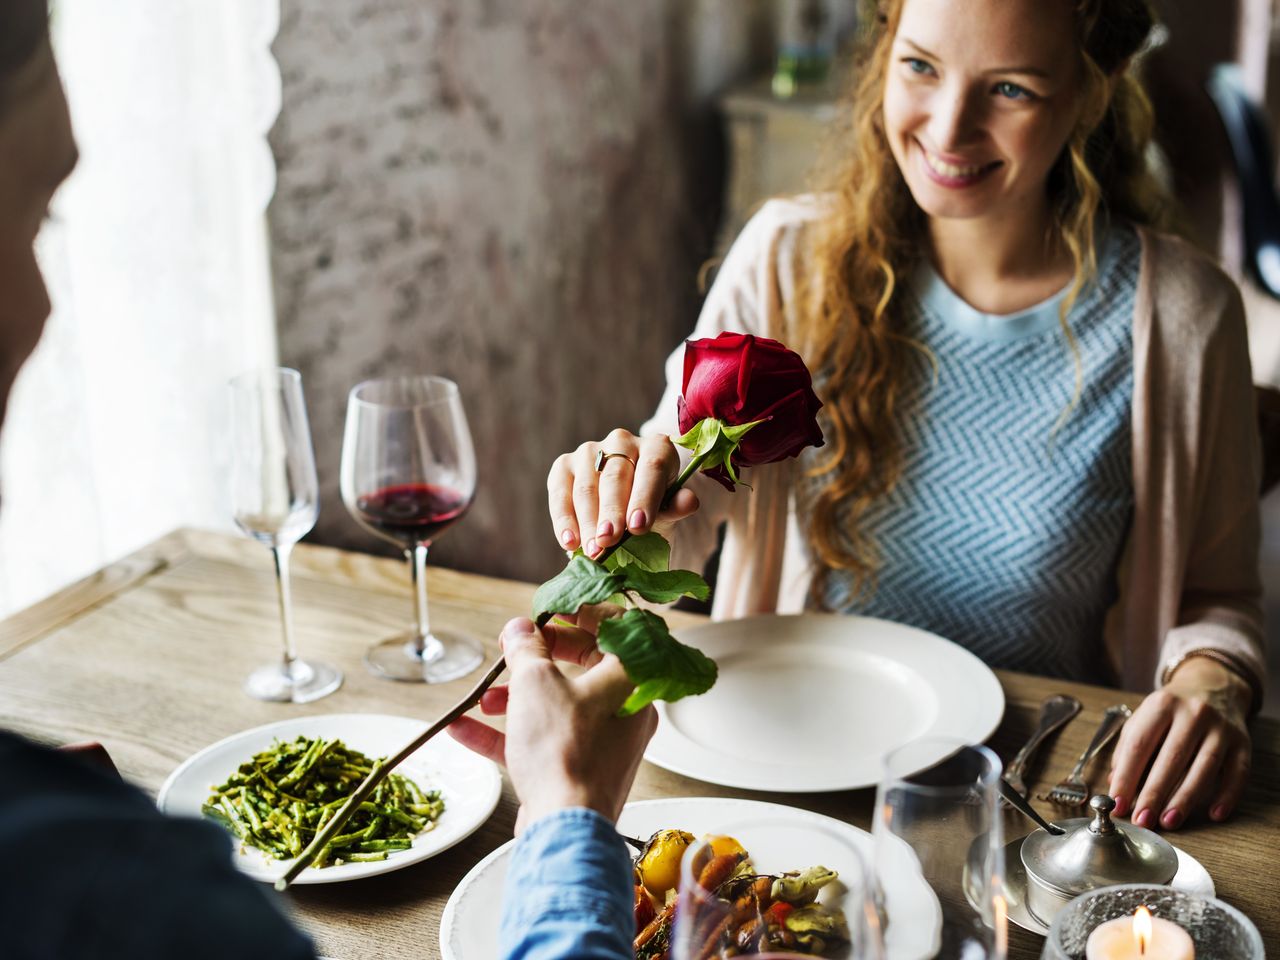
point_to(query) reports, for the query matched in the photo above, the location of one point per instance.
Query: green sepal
(661, 667)
(714, 443)
(581, 582)
(701, 438)
(664, 586)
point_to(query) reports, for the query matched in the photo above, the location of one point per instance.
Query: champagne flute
(409, 473)
(275, 500)
(732, 921)
(937, 822)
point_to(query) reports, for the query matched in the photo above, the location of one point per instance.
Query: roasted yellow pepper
(659, 865)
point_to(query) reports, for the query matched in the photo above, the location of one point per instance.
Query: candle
(1140, 937)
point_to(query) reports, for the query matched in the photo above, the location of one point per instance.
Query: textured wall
(515, 194)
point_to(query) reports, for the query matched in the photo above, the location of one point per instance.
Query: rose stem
(690, 469)
(380, 771)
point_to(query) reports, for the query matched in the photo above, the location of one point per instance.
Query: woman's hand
(591, 508)
(565, 745)
(1192, 734)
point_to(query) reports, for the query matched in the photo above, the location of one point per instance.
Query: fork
(1073, 791)
(1054, 712)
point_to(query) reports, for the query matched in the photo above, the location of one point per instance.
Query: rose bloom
(739, 378)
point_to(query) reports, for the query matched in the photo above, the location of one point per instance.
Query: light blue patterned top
(1001, 534)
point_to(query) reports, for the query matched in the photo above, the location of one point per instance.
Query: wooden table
(148, 656)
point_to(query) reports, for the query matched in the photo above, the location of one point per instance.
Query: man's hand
(565, 745)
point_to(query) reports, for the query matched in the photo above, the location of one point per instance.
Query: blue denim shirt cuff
(569, 891)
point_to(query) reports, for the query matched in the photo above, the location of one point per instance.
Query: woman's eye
(1011, 91)
(916, 65)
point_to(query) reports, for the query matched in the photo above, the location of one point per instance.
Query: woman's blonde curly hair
(847, 320)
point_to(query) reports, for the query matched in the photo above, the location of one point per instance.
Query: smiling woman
(1040, 434)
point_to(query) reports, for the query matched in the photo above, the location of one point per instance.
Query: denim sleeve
(569, 892)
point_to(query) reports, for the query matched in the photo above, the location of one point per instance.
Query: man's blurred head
(37, 152)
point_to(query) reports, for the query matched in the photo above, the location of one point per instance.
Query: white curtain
(157, 265)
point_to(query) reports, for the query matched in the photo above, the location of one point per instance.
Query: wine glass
(937, 823)
(408, 473)
(734, 919)
(275, 500)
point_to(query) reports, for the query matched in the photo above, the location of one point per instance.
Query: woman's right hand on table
(591, 509)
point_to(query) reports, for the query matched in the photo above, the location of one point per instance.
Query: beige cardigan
(1188, 575)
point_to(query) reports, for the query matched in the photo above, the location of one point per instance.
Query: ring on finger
(602, 458)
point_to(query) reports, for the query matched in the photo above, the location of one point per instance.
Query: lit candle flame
(1141, 929)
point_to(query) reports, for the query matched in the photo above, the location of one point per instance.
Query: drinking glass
(733, 922)
(937, 823)
(409, 473)
(275, 500)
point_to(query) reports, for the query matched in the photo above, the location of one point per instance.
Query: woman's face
(980, 98)
(37, 152)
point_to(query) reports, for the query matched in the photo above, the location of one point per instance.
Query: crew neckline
(954, 311)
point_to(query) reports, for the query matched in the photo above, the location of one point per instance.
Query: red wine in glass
(408, 473)
(411, 513)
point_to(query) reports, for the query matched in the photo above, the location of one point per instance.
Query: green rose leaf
(661, 667)
(649, 551)
(581, 582)
(664, 586)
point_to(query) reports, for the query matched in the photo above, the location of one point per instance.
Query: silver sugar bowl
(1092, 852)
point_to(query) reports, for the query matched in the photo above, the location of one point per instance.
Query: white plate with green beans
(274, 786)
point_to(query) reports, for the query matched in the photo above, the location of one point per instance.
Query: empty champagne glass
(937, 819)
(813, 913)
(409, 473)
(275, 500)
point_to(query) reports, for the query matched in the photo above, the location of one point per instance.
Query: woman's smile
(948, 173)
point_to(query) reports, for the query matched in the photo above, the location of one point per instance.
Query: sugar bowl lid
(1097, 852)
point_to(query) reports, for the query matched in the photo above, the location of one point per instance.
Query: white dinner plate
(469, 784)
(469, 926)
(814, 701)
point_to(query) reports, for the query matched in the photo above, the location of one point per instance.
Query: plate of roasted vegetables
(784, 860)
(273, 787)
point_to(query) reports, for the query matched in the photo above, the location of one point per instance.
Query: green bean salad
(281, 798)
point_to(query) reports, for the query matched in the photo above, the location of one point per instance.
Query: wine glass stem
(281, 555)
(424, 644)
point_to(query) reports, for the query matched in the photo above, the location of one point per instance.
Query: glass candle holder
(1218, 930)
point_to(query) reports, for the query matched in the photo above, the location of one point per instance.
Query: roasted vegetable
(817, 928)
(643, 907)
(659, 863)
(722, 845)
(760, 913)
(801, 888)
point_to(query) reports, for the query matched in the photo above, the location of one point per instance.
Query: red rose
(738, 378)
